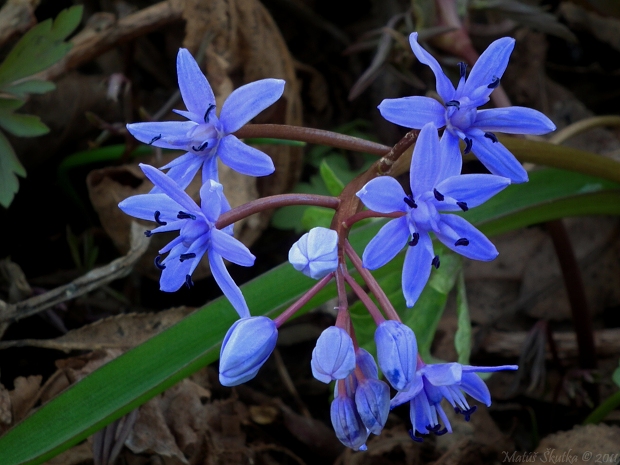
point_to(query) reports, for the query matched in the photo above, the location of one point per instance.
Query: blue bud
(397, 351)
(334, 356)
(315, 254)
(247, 345)
(366, 362)
(372, 398)
(348, 425)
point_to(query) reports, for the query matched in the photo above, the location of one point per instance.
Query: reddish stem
(368, 303)
(359, 216)
(274, 201)
(385, 164)
(343, 319)
(289, 312)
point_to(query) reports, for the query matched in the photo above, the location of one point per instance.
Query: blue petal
(195, 89)
(170, 188)
(231, 249)
(243, 158)
(386, 244)
(473, 189)
(453, 228)
(211, 194)
(315, 254)
(444, 87)
(469, 368)
(413, 112)
(449, 156)
(248, 101)
(513, 120)
(209, 171)
(144, 206)
(347, 423)
(405, 396)
(183, 173)
(473, 385)
(498, 159)
(372, 399)
(397, 351)
(420, 413)
(366, 362)
(334, 356)
(491, 65)
(227, 285)
(443, 374)
(426, 166)
(383, 194)
(417, 268)
(167, 135)
(173, 276)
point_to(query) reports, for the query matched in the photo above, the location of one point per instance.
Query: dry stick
(16, 17)
(368, 303)
(289, 312)
(385, 164)
(289, 385)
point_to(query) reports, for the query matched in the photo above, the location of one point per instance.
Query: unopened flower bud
(247, 345)
(348, 425)
(396, 352)
(334, 356)
(366, 362)
(372, 399)
(315, 254)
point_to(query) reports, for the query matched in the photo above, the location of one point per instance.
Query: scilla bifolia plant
(424, 209)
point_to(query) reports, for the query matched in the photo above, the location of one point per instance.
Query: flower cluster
(433, 205)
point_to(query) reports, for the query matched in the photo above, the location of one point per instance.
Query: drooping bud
(372, 399)
(396, 353)
(246, 347)
(334, 356)
(348, 425)
(366, 362)
(315, 254)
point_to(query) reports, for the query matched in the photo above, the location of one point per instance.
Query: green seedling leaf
(40, 47)
(22, 89)
(332, 182)
(462, 337)
(10, 168)
(23, 125)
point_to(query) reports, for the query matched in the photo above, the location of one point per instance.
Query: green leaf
(331, 180)
(23, 125)
(615, 377)
(9, 105)
(40, 47)
(34, 86)
(9, 168)
(462, 337)
(317, 216)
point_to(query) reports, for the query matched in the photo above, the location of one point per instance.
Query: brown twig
(16, 17)
(385, 164)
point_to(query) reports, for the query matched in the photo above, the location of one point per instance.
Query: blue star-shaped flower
(174, 210)
(435, 186)
(206, 136)
(449, 381)
(459, 113)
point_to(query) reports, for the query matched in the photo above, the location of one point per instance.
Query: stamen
(441, 433)
(490, 135)
(201, 147)
(433, 429)
(185, 216)
(188, 281)
(409, 201)
(466, 413)
(462, 241)
(414, 437)
(206, 117)
(158, 263)
(435, 262)
(462, 68)
(415, 237)
(156, 138)
(187, 256)
(494, 83)
(148, 233)
(439, 196)
(157, 220)
(468, 144)
(463, 206)
(454, 103)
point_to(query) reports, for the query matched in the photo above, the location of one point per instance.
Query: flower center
(193, 229)
(425, 216)
(206, 137)
(460, 115)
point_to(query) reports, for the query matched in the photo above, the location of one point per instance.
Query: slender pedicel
(289, 312)
(374, 311)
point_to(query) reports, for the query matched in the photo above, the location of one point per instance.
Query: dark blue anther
(187, 256)
(188, 281)
(148, 233)
(435, 261)
(494, 83)
(158, 263)
(409, 201)
(490, 135)
(441, 432)
(468, 144)
(156, 138)
(185, 216)
(433, 429)
(462, 241)
(414, 437)
(157, 220)
(206, 117)
(415, 237)
(463, 206)
(438, 195)
(201, 147)
(454, 103)
(462, 69)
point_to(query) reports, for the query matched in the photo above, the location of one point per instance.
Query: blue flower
(397, 352)
(372, 396)
(459, 113)
(449, 381)
(206, 136)
(246, 347)
(435, 186)
(174, 210)
(334, 356)
(315, 254)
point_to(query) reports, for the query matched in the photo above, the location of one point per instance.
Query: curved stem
(274, 201)
(312, 136)
(342, 320)
(289, 312)
(584, 125)
(385, 164)
(368, 303)
(359, 216)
